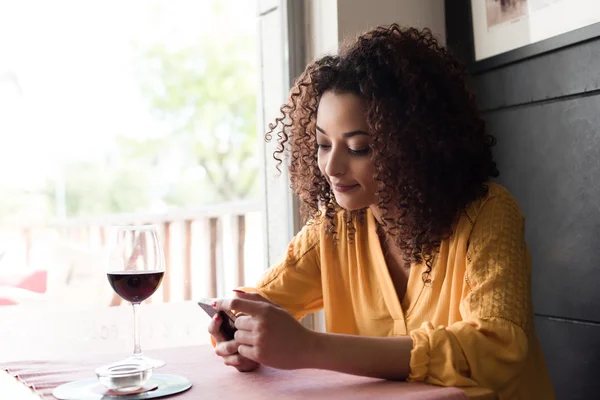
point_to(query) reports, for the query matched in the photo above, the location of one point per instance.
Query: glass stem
(137, 349)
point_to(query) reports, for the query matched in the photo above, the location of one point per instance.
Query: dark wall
(545, 113)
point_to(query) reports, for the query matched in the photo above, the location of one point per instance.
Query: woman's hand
(228, 349)
(269, 335)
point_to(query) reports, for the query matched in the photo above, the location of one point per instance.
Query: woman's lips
(344, 188)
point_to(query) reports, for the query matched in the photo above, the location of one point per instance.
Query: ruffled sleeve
(295, 282)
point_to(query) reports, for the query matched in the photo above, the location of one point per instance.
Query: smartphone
(228, 325)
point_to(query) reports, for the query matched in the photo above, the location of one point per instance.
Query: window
(138, 112)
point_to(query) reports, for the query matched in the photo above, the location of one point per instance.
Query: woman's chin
(350, 205)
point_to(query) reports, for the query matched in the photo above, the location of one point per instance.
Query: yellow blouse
(472, 325)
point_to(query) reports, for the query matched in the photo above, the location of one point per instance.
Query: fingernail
(217, 317)
(214, 304)
(238, 291)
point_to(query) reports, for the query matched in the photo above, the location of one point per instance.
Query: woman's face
(344, 155)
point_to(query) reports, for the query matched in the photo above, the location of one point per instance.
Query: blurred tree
(20, 205)
(207, 93)
(97, 188)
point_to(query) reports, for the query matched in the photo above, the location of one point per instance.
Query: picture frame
(506, 31)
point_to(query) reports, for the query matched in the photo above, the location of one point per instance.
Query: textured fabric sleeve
(295, 282)
(489, 347)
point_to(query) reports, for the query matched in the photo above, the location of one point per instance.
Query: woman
(417, 259)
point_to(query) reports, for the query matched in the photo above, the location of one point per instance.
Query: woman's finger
(233, 360)
(241, 363)
(251, 296)
(214, 328)
(247, 365)
(250, 352)
(245, 306)
(245, 322)
(225, 349)
(245, 337)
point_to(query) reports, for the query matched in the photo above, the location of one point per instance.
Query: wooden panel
(572, 353)
(238, 238)
(102, 233)
(187, 271)
(549, 157)
(213, 226)
(566, 72)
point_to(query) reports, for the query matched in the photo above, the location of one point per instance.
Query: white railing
(206, 248)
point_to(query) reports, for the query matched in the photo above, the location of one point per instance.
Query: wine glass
(135, 270)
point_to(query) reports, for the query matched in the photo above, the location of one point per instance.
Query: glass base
(146, 360)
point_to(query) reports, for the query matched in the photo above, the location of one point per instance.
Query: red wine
(135, 286)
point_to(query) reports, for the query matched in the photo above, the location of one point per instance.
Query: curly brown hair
(430, 147)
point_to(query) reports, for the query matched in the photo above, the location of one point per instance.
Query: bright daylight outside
(115, 113)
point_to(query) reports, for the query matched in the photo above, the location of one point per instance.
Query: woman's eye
(361, 152)
(358, 152)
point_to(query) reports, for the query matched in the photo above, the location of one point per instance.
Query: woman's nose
(336, 163)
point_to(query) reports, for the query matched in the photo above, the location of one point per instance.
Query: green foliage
(21, 206)
(93, 188)
(208, 93)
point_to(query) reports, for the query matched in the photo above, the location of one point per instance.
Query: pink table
(212, 379)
